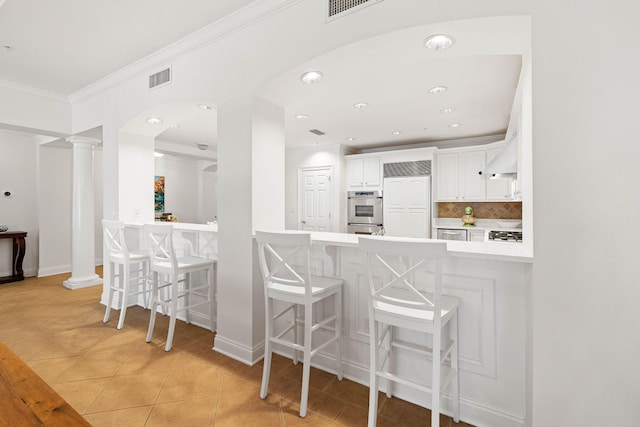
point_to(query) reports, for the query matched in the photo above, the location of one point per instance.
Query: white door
(315, 199)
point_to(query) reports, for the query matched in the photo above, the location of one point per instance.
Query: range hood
(505, 164)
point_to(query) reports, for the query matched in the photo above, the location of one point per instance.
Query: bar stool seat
(284, 263)
(405, 283)
(131, 268)
(168, 271)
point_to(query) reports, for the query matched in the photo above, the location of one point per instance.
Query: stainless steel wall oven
(364, 212)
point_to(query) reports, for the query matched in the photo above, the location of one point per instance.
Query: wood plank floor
(113, 378)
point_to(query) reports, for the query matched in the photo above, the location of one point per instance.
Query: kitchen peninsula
(491, 280)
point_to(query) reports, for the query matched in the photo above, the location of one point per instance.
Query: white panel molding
(477, 317)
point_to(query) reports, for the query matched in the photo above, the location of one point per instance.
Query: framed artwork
(158, 193)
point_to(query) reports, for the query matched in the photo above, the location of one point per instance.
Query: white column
(83, 259)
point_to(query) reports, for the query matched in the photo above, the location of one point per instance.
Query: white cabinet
(475, 235)
(406, 206)
(458, 176)
(500, 188)
(364, 172)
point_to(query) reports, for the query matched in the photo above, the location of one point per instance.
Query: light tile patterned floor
(115, 378)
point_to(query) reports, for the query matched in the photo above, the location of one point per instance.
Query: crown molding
(33, 91)
(213, 32)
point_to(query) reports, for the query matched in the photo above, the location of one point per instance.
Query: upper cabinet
(458, 175)
(364, 173)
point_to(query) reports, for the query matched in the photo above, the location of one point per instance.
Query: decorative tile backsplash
(483, 210)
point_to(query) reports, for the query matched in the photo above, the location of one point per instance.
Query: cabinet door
(394, 193)
(417, 191)
(371, 172)
(394, 222)
(472, 184)
(475, 235)
(416, 223)
(500, 188)
(447, 175)
(356, 172)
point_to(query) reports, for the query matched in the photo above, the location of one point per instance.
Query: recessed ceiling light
(176, 126)
(156, 154)
(302, 116)
(396, 132)
(206, 107)
(154, 121)
(454, 125)
(311, 77)
(351, 138)
(360, 105)
(202, 146)
(437, 89)
(438, 42)
(447, 110)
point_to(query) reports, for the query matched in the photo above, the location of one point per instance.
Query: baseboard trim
(235, 350)
(52, 271)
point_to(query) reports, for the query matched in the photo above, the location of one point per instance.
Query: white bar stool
(399, 273)
(131, 268)
(168, 271)
(284, 263)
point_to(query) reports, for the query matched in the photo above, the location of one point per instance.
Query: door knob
(303, 222)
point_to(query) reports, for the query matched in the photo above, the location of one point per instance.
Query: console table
(19, 248)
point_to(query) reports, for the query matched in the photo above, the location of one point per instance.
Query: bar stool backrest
(401, 268)
(162, 254)
(114, 241)
(282, 250)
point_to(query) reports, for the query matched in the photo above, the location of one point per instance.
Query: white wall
(181, 186)
(18, 166)
(55, 200)
(312, 156)
(586, 147)
(209, 198)
(28, 108)
(55, 178)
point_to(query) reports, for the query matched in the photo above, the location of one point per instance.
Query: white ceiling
(62, 46)
(68, 44)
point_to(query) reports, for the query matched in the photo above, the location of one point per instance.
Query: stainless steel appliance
(364, 212)
(452, 234)
(505, 236)
(365, 229)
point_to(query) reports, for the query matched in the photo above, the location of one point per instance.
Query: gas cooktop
(505, 236)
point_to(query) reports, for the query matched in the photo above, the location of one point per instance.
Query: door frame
(332, 187)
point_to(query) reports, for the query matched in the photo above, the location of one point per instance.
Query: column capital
(82, 140)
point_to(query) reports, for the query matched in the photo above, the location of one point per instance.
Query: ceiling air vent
(316, 131)
(337, 7)
(160, 78)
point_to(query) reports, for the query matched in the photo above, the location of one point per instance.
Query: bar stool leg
(373, 368)
(306, 363)
(109, 292)
(173, 312)
(338, 312)
(124, 280)
(454, 365)
(268, 348)
(154, 305)
(296, 336)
